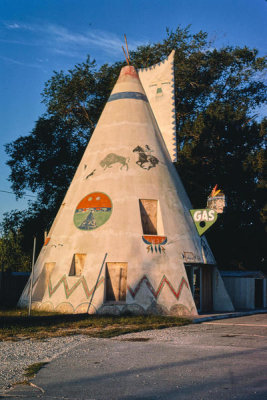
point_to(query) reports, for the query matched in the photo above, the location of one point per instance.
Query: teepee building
(123, 239)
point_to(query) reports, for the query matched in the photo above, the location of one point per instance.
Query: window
(116, 279)
(148, 210)
(77, 265)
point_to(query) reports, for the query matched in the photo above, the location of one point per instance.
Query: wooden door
(148, 210)
(206, 290)
(116, 280)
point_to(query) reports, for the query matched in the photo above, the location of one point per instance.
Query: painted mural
(156, 88)
(111, 159)
(88, 292)
(156, 292)
(145, 159)
(91, 174)
(69, 290)
(92, 211)
(155, 243)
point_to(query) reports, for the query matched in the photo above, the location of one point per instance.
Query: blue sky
(38, 37)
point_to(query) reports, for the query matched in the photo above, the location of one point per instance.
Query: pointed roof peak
(129, 82)
(128, 70)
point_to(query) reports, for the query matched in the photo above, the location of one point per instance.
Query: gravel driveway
(219, 360)
(16, 356)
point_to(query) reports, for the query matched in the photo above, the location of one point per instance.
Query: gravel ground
(246, 335)
(16, 356)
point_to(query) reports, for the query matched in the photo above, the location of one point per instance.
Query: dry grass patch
(32, 369)
(16, 325)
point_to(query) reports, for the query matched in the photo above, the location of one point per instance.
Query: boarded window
(116, 279)
(77, 264)
(42, 281)
(148, 210)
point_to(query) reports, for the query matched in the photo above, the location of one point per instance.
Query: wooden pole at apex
(125, 55)
(125, 38)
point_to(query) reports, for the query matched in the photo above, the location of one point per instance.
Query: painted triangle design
(164, 281)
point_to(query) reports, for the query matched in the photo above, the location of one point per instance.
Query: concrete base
(217, 316)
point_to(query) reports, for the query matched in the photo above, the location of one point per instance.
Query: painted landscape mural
(92, 211)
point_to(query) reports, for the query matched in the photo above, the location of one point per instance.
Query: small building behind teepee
(124, 239)
(247, 289)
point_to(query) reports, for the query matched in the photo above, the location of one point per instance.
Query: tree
(219, 137)
(12, 256)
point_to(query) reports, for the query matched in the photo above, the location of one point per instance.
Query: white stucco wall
(221, 298)
(241, 291)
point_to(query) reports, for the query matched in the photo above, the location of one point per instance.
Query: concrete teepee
(123, 239)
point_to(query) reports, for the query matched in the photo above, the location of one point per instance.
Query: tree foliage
(220, 139)
(12, 256)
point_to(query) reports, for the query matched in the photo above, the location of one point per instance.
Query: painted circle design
(92, 211)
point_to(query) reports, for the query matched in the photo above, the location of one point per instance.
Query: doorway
(194, 279)
(206, 292)
(259, 293)
(200, 281)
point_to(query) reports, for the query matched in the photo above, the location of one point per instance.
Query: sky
(38, 37)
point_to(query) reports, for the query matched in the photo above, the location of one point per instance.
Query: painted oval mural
(92, 211)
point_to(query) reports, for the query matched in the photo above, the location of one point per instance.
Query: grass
(32, 369)
(30, 373)
(23, 312)
(16, 325)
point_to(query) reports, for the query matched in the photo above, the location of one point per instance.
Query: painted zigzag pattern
(88, 292)
(68, 291)
(157, 292)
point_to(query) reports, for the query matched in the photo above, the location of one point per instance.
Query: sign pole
(96, 283)
(31, 281)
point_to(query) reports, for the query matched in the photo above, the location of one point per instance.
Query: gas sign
(203, 218)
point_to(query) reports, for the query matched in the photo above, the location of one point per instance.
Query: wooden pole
(127, 47)
(125, 55)
(31, 281)
(96, 283)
